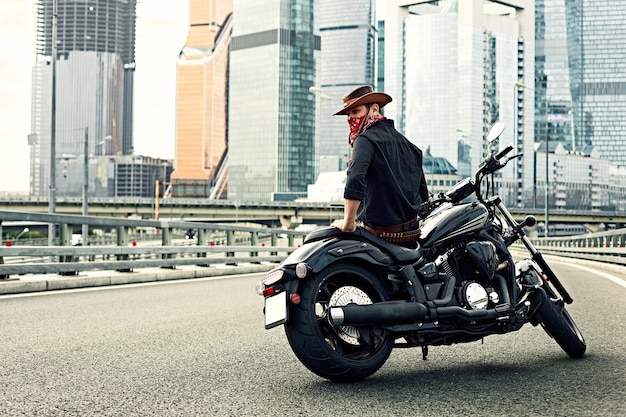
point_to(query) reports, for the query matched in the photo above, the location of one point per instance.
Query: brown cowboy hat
(363, 95)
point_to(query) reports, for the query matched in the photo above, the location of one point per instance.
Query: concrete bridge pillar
(290, 222)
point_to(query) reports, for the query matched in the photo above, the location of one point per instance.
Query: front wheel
(558, 324)
(338, 353)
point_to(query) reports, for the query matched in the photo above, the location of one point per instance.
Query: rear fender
(323, 250)
(348, 250)
(327, 245)
(319, 254)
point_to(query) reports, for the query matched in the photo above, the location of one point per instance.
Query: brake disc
(342, 297)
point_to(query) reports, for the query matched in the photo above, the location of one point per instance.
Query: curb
(40, 283)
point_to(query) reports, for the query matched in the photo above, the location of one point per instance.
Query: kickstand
(424, 352)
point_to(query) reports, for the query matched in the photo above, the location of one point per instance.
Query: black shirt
(386, 175)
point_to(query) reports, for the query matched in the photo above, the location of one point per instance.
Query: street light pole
(52, 187)
(86, 185)
(547, 138)
(26, 229)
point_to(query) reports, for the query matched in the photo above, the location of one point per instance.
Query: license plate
(276, 310)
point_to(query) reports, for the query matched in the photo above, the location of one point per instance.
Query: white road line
(130, 285)
(610, 277)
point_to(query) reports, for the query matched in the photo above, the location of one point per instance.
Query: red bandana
(359, 125)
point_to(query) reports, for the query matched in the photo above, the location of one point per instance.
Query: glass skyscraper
(348, 59)
(597, 63)
(580, 101)
(271, 116)
(201, 101)
(95, 64)
(452, 68)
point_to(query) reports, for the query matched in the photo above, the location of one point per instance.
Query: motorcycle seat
(400, 254)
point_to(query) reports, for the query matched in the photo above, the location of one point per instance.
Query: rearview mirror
(495, 131)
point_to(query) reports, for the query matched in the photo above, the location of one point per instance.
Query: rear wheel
(338, 353)
(559, 325)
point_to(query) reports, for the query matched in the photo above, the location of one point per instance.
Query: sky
(160, 34)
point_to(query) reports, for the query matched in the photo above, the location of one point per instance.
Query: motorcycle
(347, 299)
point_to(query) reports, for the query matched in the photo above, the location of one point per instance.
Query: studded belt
(404, 232)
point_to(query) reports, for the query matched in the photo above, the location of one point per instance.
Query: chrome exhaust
(388, 312)
(403, 312)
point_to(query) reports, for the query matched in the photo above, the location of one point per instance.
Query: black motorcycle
(347, 299)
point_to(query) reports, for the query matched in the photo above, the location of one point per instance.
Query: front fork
(548, 276)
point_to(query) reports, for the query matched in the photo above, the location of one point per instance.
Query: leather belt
(404, 232)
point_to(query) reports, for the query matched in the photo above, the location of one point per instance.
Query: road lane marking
(130, 285)
(610, 277)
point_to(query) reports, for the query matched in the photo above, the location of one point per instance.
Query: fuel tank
(450, 221)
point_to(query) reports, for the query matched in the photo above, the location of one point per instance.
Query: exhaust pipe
(388, 312)
(403, 312)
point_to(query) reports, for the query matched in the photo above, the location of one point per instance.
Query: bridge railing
(608, 247)
(214, 243)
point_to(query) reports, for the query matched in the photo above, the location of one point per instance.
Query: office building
(597, 64)
(201, 102)
(452, 68)
(94, 69)
(578, 180)
(271, 111)
(580, 95)
(348, 60)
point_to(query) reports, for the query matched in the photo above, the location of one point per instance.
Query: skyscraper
(348, 60)
(596, 36)
(451, 68)
(271, 116)
(201, 101)
(95, 62)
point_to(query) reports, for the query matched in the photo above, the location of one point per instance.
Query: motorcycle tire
(338, 353)
(558, 324)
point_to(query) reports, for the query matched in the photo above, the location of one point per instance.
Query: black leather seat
(400, 254)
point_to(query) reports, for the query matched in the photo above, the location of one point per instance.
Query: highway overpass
(288, 214)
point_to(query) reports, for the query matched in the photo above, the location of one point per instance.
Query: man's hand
(348, 224)
(344, 226)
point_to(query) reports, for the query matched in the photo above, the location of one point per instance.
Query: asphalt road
(198, 348)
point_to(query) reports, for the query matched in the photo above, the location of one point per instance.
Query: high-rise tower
(348, 60)
(202, 102)
(95, 62)
(452, 68)
(597, 63)
(271, 117)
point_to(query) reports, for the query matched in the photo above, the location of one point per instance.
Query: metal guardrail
(242, 244)
(607, 247)
(235, 244)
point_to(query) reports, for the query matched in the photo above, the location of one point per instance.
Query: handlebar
(468, 186)
(504, 152)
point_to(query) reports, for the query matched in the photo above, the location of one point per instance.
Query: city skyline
(161, 32)
(93, 73)
(161, 142)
